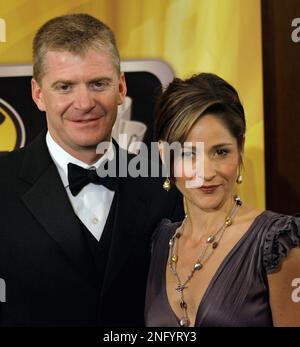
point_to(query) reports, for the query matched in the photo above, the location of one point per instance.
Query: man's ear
(122, 88)
(37, 95)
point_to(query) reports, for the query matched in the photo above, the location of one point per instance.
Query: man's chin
(90, 143)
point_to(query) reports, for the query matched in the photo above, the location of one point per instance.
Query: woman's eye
(221, 152)
(188, 154)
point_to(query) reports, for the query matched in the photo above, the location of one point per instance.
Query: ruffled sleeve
(283, 234)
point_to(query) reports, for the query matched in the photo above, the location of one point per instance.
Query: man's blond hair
(74, 33)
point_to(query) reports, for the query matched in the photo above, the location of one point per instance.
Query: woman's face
(219, 165)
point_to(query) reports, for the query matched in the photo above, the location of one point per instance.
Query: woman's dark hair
(184, 102)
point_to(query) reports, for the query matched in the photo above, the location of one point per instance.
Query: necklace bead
(184, 322)
(174, 258)
(228, 221)
(215, 245)
(210, 239)
(178, 234)
(183, 304)
(238, 200)
(198, 266)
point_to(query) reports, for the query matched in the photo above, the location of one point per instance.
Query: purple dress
(237, 295)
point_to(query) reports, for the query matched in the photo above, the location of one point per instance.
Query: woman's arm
(284, 285)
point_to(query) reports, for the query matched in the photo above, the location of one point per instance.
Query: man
(74, 252)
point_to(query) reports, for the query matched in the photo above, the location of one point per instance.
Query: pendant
(184, 322)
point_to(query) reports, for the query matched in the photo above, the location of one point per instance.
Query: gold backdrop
(220, 36)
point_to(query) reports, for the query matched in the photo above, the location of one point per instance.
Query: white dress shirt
(93, 202)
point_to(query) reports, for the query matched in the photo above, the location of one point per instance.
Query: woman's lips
(209, 189)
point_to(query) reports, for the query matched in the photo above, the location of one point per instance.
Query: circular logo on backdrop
(12, 130)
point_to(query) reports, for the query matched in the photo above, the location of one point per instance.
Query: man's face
(80, 95)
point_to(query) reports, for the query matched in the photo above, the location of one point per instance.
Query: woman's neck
(201, 223)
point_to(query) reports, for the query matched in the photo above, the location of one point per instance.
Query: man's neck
(88, 155)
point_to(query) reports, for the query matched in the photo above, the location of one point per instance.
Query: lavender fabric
(238, 292)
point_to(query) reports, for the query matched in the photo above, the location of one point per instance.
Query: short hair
(186, 101)
(75, 33)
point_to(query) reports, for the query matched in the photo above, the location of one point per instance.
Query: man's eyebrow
(70, 82)
(54, 84)
(105, 80)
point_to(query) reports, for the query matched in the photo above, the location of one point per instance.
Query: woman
(227, 263)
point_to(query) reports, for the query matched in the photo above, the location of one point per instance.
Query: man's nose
(84, 100)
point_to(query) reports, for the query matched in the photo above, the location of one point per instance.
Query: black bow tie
(79, 177)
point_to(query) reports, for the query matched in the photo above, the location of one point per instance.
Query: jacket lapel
(130, 220)
(48, 202)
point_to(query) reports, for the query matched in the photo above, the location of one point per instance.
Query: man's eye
(99, 84)
(63, 87)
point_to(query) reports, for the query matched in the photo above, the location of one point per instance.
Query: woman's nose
(209, 169)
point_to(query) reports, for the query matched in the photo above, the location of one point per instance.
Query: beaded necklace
(212, 243)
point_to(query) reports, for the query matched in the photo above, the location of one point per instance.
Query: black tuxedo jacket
(44, 261)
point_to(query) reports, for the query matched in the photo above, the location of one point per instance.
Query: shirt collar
(62, 158)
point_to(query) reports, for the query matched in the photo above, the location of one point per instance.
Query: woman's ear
(241, 151)
(164, 153)
(161, 150)
(243, 144)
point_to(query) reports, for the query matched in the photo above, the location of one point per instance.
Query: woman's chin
(209, 202)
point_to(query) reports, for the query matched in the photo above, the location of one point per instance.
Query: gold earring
(167, 184)
(239, 179)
